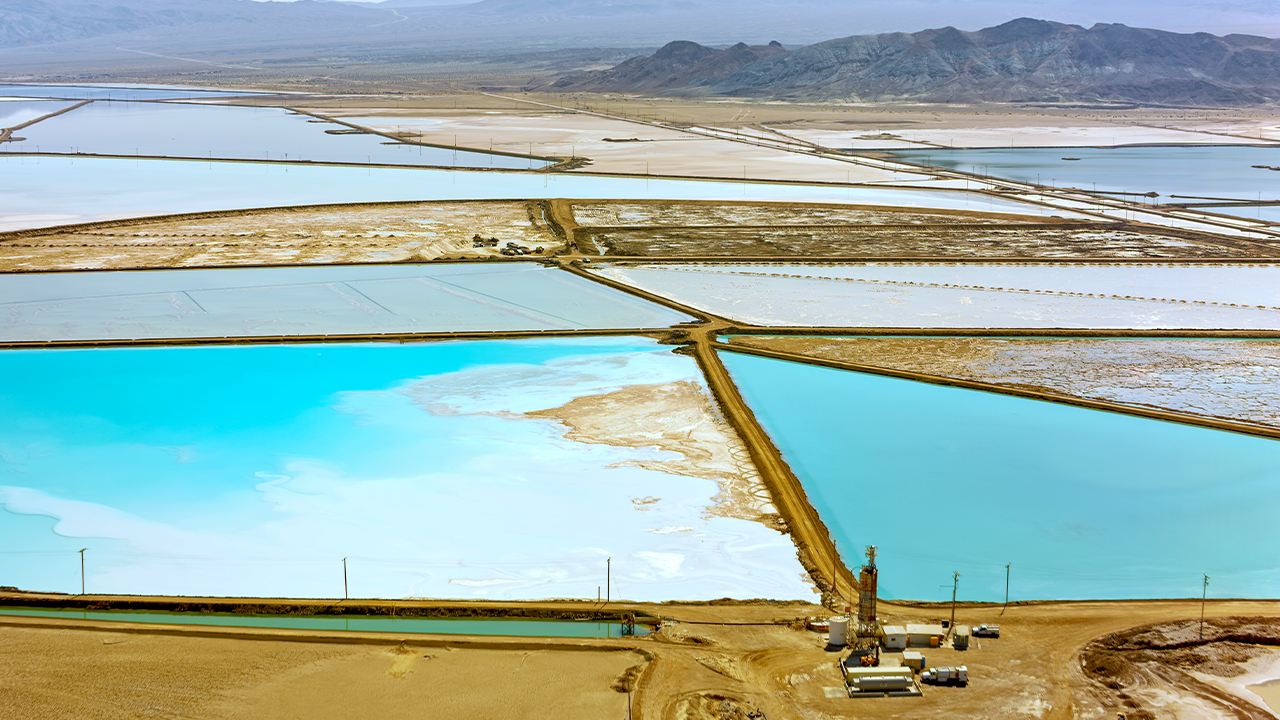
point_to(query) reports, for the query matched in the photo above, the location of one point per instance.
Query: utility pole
(1203, 595)
(1006, 588)
(608, 579)
(956, 586)
(344, 579)
(82, 570)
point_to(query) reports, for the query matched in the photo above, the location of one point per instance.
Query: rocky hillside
(680, 64)
(1020, 61)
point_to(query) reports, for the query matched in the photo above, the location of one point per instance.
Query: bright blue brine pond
(254, 470)
(415, 625)
(1084, 504)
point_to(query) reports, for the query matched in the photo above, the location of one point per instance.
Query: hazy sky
(1260, 17)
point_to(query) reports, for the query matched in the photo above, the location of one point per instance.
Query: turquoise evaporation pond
(1084, 504)
(233, 132)
(42, 191)
(440, 626)
(314, 300)
(117, 92)
(1210, 170)
(186, 435)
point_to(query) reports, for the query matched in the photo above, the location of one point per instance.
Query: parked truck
(985, 630)
(946, 676)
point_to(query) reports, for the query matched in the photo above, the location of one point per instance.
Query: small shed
(913, 659)
(925, 635)
(960, 641)
(895, 637)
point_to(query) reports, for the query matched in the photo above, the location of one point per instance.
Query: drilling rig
(865, 645)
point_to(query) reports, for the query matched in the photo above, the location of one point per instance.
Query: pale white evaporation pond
(233, 132)
(118, 92)
(1238, 284)
(47, 191)
(254, 470)
(1226, 378)
(15, 112)
(313, 301)
(882, 295)
(1222, 171)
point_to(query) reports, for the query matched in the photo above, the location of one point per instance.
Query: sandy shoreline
(1264, 669)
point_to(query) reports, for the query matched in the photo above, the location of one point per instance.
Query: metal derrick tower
(868, 626)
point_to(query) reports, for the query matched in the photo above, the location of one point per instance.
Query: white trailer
(946, 676)
(878, 679)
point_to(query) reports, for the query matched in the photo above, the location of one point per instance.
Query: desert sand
(385, 232)
(710, 661)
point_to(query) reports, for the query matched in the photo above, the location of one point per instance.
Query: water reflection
(1207, 170)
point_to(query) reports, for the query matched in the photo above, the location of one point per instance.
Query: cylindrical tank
(871, 684)
(839, 631)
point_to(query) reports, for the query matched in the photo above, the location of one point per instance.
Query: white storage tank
(854, 673)
(880, 683)
(839, 631)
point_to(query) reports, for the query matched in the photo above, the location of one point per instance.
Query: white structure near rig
(900, 671)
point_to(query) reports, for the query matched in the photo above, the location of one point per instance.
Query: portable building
(895, 637)
(913, 659)
(925, 635)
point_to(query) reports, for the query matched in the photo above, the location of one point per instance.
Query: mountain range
(1023, 60)
(678, 65)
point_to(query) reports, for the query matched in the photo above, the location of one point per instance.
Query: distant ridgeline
(1022, 60)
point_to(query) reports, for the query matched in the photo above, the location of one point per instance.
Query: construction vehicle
(946, 676)
(868, 659)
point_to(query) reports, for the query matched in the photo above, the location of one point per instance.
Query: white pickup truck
(985, 630)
